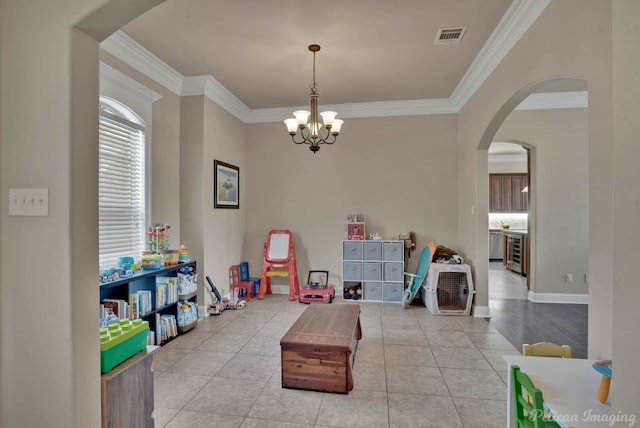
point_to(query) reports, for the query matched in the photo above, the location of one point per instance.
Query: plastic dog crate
(448, 289)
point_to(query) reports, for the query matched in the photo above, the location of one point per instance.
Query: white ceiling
(376, 55)
(372, 50)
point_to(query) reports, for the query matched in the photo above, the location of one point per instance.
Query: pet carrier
(448, 289)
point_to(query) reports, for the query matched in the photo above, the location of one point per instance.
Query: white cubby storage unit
(448, 289)
(376, 267)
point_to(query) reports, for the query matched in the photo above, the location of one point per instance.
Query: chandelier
(306, 128)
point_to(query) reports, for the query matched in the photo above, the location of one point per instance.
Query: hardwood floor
(521, 321)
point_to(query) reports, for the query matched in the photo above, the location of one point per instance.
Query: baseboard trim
(580, 299)
(480, 311)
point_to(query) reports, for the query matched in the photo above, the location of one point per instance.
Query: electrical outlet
(29, 202)
(568, 278)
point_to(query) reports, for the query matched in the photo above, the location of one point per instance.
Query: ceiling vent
(449, 36)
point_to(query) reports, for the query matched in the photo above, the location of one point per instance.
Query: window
(121, 182)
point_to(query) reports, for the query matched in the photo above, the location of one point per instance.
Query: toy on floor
(415, 280)
(219, 304)
(352, 292)
(317, 288)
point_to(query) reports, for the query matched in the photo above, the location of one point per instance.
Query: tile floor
(412, 369)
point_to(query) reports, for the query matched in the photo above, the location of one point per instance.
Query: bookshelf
(167, 298)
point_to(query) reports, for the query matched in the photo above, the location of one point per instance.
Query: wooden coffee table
(318, 351)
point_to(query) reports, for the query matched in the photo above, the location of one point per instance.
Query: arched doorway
(558, 212)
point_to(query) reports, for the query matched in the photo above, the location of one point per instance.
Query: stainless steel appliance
(514, 252)
(495, 246)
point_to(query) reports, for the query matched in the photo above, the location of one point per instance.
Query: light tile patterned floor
(412, 369)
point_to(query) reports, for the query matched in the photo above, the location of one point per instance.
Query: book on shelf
(161, 295)
(166, 328)
(145, 301)
(134, 306)
(117, 307)
(170, 285)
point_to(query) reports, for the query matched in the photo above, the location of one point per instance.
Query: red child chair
(235, 283)
(279, 260)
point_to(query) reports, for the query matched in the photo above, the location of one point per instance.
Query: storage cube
(392, 292)
(352, 250)
(351, 271)
(372, 251)
(372, 291)
(393, 271)
(120, 341)
(393, 251)
(372, 271)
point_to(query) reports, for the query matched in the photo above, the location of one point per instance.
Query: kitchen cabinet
(505, 193)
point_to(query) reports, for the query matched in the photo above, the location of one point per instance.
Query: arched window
(121, 200)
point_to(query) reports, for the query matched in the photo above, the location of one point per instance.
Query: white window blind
(121, 183)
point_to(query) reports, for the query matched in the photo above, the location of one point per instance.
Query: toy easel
(279, 260)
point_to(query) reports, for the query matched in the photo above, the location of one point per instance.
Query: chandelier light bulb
(302, 116)
(292, 125)
(337, 125)
(328, 117)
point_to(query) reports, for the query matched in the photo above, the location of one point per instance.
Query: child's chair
(546, 349)
(279, 259)
(244, 276)
(529, 403)
(235, 283)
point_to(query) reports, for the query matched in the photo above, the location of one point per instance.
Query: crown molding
(123, 47)
(516, 21)
(111, 75)
(555, 100)
(520, 15)
(355, 110)
(212, 89)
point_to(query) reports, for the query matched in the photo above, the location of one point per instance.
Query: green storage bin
(121, 341)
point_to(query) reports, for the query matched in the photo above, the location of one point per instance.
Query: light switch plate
(29, 202)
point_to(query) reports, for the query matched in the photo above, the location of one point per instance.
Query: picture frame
(226, 185)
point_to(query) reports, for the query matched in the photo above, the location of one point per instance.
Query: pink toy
(317, 288)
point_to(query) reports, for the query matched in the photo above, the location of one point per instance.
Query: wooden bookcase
(122, 288)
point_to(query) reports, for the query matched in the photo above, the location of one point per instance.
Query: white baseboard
(581, 299)
(480, 311)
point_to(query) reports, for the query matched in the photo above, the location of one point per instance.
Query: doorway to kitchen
(508, 220)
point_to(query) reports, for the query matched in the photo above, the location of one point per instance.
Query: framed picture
(226, 185)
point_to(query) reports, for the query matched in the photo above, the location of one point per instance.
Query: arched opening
(557, 216)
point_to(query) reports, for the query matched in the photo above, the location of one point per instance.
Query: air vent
(449, 36)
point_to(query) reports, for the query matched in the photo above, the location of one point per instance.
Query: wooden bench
(318, 351)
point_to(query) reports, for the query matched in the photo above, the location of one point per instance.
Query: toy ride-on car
(317, 288)
(219, 303)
